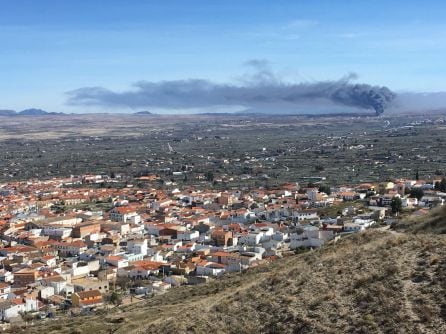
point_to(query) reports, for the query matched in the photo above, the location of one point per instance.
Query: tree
(123, 282)
(209, 176)
(396, 205)
(325, 188)
(115, 298)
(443, 185)
(417, 193)
(319, 168)
(27, 317)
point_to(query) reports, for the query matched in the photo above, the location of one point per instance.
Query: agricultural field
(225, 150)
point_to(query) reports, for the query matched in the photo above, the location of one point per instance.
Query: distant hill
(28, 112)
(33, 112)
(143, 113)
(7, 112)
(370, 282)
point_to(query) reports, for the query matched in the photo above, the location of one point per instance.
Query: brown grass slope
(372, 282)
(435, 222)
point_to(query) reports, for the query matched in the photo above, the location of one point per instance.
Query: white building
(46, 291)
(5, 290)
(8, 310)
(306, 214)
(6, 276)
(205, 268)
(250, 239)
(117, 261)
(188, 235)
(137, 246)
(310, 237)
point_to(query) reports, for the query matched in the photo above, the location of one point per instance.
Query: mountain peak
(144, 112)
(33, 112)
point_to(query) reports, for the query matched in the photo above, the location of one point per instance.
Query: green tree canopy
(417, 193)
(396, 205)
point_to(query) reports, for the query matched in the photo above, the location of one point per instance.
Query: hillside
(373, 282)
(434, 222)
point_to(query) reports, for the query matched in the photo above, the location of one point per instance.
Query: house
(312, 194)
(45, 292)
(57, 232)
(19, 250)
(124, 214)
(90, 283)
(57, 282)
(386, 200)
(348, 196)
(160, 286)
(25, 276)
(84, 229)
(431, 201)
(408, 202)
(172, 246)
(137, 246)
(90, 298)
(32, 304)
(188, 235)
(133, 257)
(251, 239)
(206, 268)
(117, 261)
(5, 290)
(352, 227)
(310, 237)
(49, 260)
(70, 248)
(221, 238)
(305, 214)
(8, 310)
(80, 269)
(144, 269)
(142, 290)
(222, 257)
(363, 222)
(168, 231)
(6, 276)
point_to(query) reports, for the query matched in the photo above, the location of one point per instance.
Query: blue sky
(50, 47)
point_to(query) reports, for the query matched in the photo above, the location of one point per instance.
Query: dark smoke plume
(263, 89)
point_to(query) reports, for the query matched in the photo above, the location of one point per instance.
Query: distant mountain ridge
(7, 113)
(144, 112)
(28, 112)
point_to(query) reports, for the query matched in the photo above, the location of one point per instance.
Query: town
(81, 244)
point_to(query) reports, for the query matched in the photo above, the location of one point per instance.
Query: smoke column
(263, 89)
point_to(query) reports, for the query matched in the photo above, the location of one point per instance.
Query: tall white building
(137, 246)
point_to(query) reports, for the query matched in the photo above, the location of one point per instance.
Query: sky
(51, 47)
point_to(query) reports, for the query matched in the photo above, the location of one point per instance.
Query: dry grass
(435, 223)
(374, 282)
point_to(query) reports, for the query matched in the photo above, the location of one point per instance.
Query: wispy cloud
(301, 23)
(350, 35)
